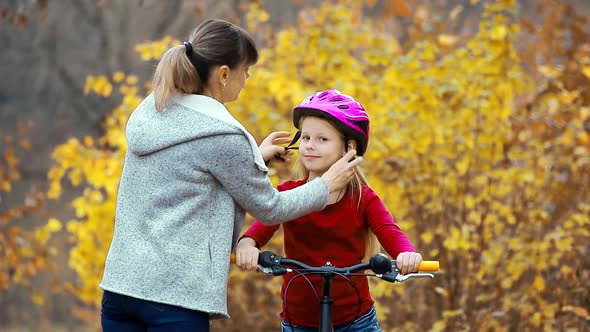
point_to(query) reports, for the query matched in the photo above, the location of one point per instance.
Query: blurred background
(480, 146)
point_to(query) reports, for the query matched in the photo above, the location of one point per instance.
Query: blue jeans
(125, 313)
(365, 323)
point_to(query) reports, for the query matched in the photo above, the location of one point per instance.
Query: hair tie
(189, 48)
(201, 65)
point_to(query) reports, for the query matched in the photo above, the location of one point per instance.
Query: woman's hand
(270, 146)
(342, 171)
(247, 254)
(408, 262)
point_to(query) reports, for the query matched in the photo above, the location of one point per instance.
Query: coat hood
(149, 131)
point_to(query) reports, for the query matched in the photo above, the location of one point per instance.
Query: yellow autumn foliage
(476, 179)
(25, 254)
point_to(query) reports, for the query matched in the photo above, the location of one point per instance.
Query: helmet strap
(295, 138)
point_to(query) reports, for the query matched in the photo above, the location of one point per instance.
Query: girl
(331, 123)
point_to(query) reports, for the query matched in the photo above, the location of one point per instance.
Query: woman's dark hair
(185, 69)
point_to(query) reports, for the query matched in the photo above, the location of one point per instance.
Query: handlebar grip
(429, 266)
(232, 258)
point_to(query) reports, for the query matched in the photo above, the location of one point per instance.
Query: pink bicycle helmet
(342, 110)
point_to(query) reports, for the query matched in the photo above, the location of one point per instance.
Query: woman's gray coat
(190, 173)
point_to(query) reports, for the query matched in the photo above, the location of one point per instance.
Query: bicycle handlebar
(380, 264)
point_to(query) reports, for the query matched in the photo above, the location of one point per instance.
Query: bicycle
(380, 264)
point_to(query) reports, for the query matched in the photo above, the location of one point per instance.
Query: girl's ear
(351, 144)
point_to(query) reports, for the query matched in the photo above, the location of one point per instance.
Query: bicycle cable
(309, 282)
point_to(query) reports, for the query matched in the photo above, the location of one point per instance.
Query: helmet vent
(337, 99)
(343, 107)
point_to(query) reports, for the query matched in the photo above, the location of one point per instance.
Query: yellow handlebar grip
(428, 266)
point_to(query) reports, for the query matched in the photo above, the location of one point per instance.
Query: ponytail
(175, 74)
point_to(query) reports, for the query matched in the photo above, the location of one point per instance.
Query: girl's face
(321, 145)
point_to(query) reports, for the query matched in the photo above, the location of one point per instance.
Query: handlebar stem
(326, 304)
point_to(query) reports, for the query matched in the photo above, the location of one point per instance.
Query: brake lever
(263, 269)
(398, 277)
(274, 270)
(404, 277)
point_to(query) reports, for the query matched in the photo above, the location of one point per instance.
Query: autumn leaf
(118, 77)
(498, 32)
(400, 7)
(447, 40)
(370, 3)
(53, 225)
(578, 311)
(539, 283)
(25, 144)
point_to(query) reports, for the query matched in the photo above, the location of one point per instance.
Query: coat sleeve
(260, 232)
(232, 164)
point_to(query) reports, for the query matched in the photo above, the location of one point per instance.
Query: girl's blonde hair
(185, 69)
(359, 180)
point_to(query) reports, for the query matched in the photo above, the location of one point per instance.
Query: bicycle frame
(383, 267)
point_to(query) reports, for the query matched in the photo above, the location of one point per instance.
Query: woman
(190, 174)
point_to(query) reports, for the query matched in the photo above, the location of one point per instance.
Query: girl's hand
(408, 262)
(247, 254)
(270, 146)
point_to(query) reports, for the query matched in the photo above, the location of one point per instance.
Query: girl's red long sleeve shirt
(336, 235)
